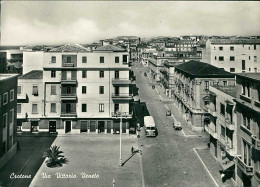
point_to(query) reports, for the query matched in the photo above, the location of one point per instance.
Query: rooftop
(35, 74)
(235, 41)
(70, 48)
(110, 48)
(230, 90)
(4, 76)
(202, 69)
(252, 76)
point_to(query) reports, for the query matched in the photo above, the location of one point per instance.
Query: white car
(177, 125)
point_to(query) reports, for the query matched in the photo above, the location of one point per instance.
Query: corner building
(77, 91)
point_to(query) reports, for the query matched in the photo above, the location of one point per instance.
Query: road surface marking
(149, 79)
(166, 107)
(156, 90)
(206, 168)
(161, 97)
(141, 165)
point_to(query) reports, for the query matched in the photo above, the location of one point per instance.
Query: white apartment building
(77, 91)
(233, 55)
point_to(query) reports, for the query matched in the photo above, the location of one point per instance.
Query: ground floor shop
(74, 126)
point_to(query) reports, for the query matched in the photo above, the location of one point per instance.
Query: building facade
(248, 121)
(79, 91)
(8, 101)
(192, 81)
(233, 55)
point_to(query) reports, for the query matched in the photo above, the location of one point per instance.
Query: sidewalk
(213, 167)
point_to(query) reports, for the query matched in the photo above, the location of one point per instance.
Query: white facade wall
(32, 61)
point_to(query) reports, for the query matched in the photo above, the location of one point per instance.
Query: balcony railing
(120, 81)
(123, 114)
(248, 170)
(68, 114)
(229, 124)
(68, 65)
(212, 112)
(245, 98)
(22, 96)
(213, 133)
(67, 81)
(127, 96)
(255, 142)
(257, 104)
(66, 96)
(22, 115)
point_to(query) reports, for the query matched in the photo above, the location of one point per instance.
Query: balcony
(22, 115)
(21, 97)
(255, 142)
(245, 98)
(66, 81)
(122, 96)
(213, 113)
(257, 104)
(66, 96)
(68, 114)
(213, 133)
(229, 124)
(68, 65)
(121, 81)
(124, 115)
(248, 170)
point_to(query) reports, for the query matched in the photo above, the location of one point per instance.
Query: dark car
(145, 74)
(168, 112)
(153, 86)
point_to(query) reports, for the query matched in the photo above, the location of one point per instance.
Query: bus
(150, 128)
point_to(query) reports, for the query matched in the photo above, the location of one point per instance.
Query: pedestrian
(132, 150)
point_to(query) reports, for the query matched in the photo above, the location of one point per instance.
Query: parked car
(145, 74)
(168, 112)
(153, 86)
(177, 125)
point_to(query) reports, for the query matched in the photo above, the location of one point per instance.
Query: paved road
(168, 159)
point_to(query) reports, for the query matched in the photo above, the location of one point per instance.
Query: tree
(55, 157)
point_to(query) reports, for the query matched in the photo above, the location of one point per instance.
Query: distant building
(233, 55)
(248, 121)
(180, 45)
(192, 81)
(76, 91)
(8, 103)
(11, 61)
(223, 128)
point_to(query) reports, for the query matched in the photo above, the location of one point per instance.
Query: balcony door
(68, 126)
(68, 108)
(68, 75)
(116, 90)
(116, 74)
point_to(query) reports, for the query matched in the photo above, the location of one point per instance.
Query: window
(243, 65)
(223, 131)
(5, 99)
(255, 58)
(101, 60)
(232, 58)
(222, 109)
(35, 90)
(116, 107)
(53, 90)
(254, 47)
(232, 70)
(34, 108)
(117, 74)
(4, 120)
(214, 48)
(206, 103)
(68, 59)
(225, 83)
(249, 48)
(243, 89)
(101, 74)
(101, 89)
(84, 89)
(11, 116)
(206, 85)
(84, 107)
(19, 90)
(220, 48)
(53, 74)
(101, 107)
(249, 58)
(215, 57)
(255, 69)
(11, 95)
(68, 90)
(84, 59)
(248, 90)
(231, 48)
(53, 59)
(53, 107)
(221, 58)
(117, 59)
(19, 108)
(246, 121)
(84, 74)
(124, 59)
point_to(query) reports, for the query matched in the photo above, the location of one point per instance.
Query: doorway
(101, 126)
(52, 126)
(67, 126)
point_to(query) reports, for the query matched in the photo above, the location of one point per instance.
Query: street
(168, 159)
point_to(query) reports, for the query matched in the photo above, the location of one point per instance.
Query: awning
(226, 164)
(229, 103)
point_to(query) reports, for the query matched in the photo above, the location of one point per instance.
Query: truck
(150, 127)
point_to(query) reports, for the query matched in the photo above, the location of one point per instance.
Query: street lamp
(120, 115)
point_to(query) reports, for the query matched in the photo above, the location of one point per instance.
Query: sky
(59, 22)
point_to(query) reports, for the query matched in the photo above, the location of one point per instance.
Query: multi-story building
(12, 59)
(8, 102)
(77, 91)
(192, 81)
(180, 45)
(223, 127)
(248, 122)
(233, 55)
